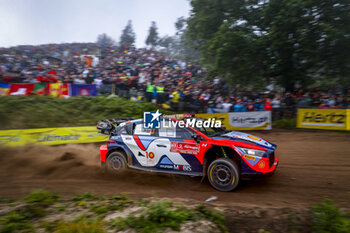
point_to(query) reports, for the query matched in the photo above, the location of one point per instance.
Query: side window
(183, 133)
(173, 132)
(167, 130)
(139, 130)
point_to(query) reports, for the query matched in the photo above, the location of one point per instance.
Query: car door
(180, 148)
(141, 145)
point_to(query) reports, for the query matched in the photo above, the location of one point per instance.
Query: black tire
(116, 162)
(223, 174)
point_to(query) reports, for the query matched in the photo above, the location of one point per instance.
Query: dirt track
(313, 165)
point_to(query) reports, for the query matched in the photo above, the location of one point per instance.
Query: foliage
(161, 215)
(154, 216)
(158, 216)
(6, 200)
(15, 221)
(128, 36)
(328, 218)
(285, 123)
(84, 197)
(80, 226)
(41, 196)
(40, 112)
(179, 45)
(152, 38)
(214, 216)
(104, 40)
(286, 41)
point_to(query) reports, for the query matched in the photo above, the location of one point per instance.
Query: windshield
(212, 131)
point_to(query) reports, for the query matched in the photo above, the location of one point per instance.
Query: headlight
(247, 151)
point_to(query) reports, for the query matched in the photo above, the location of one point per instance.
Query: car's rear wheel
(116, 162)
(223, 174)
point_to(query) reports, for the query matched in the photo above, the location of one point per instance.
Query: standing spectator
(268, 106)
(226, 106)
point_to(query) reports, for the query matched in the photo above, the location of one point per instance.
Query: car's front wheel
(116, 162)
(223, 174)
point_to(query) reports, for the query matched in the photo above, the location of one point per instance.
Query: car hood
(248, 138)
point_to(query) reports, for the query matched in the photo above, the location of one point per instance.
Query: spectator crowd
(146, 75)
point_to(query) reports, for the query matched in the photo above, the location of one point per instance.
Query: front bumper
(262, 166)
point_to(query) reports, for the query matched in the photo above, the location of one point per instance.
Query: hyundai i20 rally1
(224, 157)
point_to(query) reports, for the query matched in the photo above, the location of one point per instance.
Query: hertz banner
(51, 136)
(334, 119)
(242, 120)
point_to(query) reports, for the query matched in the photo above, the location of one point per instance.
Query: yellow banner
(51, 136)
(242, 120)
(348, 119)
(334, 119)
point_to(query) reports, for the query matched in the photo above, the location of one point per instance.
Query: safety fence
(329, 119)
(88, 134)
(51, 136)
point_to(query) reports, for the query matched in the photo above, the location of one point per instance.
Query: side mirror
(130, 128)
(196, 137)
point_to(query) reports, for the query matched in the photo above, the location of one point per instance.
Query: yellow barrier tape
(51, 136)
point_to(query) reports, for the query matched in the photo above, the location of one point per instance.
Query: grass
(41, 196)
(41, 112)
(328, 218)
(162, 215)
(285, 123)
(28, 215)
(80, 227)
(16, 221)
(84, 197)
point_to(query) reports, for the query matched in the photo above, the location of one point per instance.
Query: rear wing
(108, 125)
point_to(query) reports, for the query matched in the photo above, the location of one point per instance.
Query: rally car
(224, 157)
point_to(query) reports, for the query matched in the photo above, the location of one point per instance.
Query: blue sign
(151, 120)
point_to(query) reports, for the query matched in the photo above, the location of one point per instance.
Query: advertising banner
(347, 119)
(51, 136)
(21, 89)
(242, 120)
(4, 89)
(82, 90)
(334, 119)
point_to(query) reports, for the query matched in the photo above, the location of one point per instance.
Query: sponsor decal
(150, 155)
(249, 157)
(248, 137)
(140, 154)
(262, 164)
(185, 148)
(186, 168)
(166, 166)
(254, 138)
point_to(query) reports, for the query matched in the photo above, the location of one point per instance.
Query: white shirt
(226, 107)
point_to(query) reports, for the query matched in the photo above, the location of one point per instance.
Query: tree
(167, 43)
(104, 40)
(152, 38)
(286, 41)
(128, 36)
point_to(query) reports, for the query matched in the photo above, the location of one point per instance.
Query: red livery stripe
(139, 143)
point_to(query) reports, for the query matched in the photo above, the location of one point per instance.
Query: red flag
(21, 89)
(64, 90)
